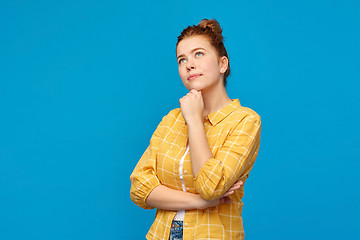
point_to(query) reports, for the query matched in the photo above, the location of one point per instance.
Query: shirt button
(185, 171)
(186, 224)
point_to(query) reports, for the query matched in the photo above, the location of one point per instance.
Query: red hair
(211, 30)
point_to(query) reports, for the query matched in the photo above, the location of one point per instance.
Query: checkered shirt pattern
(233, 134)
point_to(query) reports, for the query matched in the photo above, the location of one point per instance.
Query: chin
(196, 86)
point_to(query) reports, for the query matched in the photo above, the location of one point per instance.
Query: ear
(224, 63)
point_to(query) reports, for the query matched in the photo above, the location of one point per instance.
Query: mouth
(193, 76)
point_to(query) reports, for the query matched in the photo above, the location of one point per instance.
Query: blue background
(83, 85)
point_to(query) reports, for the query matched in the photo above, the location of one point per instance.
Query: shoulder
(171, 116)
(242, 113)
(247, 112)
(176, 112)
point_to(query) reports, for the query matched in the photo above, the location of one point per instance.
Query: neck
(215, 98)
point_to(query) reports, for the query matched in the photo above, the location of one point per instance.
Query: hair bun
(213, 24)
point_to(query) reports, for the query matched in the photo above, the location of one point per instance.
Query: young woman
(201, 154)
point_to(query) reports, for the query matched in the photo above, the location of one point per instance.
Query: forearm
(166, 198)
(199, 147)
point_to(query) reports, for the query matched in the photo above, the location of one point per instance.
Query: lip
(193, 76)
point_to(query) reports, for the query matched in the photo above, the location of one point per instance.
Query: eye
(181, 60)
(197, 54)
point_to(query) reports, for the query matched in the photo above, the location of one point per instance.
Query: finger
(228, 193)
(239, 182)
(197, 93)
(238, 185)
(234, 187)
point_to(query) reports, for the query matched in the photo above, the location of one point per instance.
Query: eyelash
(195, 55)
(198, 52)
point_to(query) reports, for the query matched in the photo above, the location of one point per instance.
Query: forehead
(187, 44)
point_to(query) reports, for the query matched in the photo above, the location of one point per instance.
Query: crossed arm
(166, 198)
(228, 166)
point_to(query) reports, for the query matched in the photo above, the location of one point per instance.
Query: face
(200, 67)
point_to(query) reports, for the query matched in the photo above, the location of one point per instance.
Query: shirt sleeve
(232, 161)
(143, 178)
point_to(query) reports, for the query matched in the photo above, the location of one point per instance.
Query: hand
(192, 106)
(236, 186)
(213, 203)
(224, 199)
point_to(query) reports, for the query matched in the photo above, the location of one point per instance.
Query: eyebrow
(181, 55)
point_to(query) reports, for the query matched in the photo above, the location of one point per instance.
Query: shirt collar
(216, 117)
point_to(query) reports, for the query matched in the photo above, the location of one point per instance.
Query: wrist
(195, 122)
(199, 202)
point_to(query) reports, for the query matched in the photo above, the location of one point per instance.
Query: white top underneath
(181, 213)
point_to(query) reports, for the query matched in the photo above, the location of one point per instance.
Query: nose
(190, 65)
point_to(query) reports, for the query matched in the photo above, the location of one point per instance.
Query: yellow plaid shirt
(233, 134)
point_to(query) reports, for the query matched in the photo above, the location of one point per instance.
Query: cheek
(210, 66)
(207, 63)
(182, 74)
